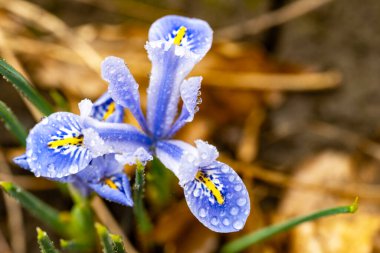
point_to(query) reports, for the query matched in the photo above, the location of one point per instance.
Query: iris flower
(214, 192)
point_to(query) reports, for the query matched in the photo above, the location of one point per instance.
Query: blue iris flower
(92, 151)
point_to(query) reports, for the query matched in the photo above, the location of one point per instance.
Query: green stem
(105, 238)
(255, 237)
(118, 245)
(46, 245)
(12, 123)
(142, 218)
(23, 86)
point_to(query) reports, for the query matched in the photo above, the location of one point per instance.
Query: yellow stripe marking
(180, 35)
(110, 183)
(110, 110)
(211, 186)
(66, 141)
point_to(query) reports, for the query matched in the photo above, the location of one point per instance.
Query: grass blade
(46, 245)
(23, 86)
(257, 236)
(12, 123)
(105, 238)
(36, 207)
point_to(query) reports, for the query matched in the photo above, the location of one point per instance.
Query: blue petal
(55, 146)
(197, 35)
(222, 204)
(168, 72)
(189, 93)
(22, 161)
(122, 87)
(105, 109)
(115, 188)
(105, 138)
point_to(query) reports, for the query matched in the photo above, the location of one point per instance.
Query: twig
(109, 221)
(272, 81)
(15, 218)
(256, 25)
(45, 20)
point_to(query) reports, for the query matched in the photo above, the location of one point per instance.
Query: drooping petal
(192, 34)
(207, 153)
(179, 157)
(218, 198)
(189, 93)
(115, 188)
(172, 60)
(55, 146)
(105, 109)
(105, 138)
(122, 87)
(22, 161)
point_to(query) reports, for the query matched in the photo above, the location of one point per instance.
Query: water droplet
(241, 201)
(204, 156)
(73, 169)
(226, 222)
(202, 212)
(197, 192)
(214, 221)
(231, 178)
(234, 211)
(224, 168)
(238, 187)
(238, 224)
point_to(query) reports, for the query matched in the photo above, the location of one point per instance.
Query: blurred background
(290, 98)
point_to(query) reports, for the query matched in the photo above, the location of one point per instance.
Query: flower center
(75, 140)
(180, 35)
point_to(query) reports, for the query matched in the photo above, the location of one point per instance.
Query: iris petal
(197, 36)
(55, 146)
(218, 198)
(115, 188)
(122, 87)
(105, 109)
(189, 93)
(22, 161)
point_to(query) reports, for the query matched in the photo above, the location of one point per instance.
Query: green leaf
(257, 236)
(105, 238)
(46, 245)
(36, 207)
(12, 123)
(23, 86)
(142, 217)
(118, 245)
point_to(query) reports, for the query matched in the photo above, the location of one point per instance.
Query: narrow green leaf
(46, 245)
(105, 238)
(23, 86)
(74, 246)
(36, 207)
(142, 217)
(118, 245)
(12, 123)
(257, 236)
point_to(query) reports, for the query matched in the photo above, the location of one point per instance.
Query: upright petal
(105, 109)
(192, 34)
(55, 146)
(105, 138)
(189, 93)
(115, 188)
(175, 45)
(218, 198)
(122, 87)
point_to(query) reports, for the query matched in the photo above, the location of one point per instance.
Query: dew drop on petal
(224, 168)
(238, 224)
(226, 222)
(238, 187)
(231, 178)
(241, 201)
(196, 193)
(234, 211)
(214, 221)
(202, 212)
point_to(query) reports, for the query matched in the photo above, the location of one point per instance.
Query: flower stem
(142, 218)
(257, 236)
